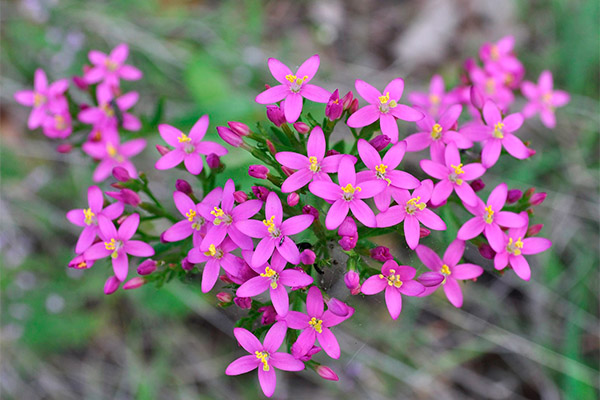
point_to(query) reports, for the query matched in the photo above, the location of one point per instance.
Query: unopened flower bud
(308, 257)
(293, 199)
(327, 373)
(477, 185)
(184, 187)
(240, 197)
(297, 352)
(352, 281)
(186, 265)
(64, 148)
(332, 152)
(301, 127)
(528, 193)
(229, 136)
(162, 149)
(224, 297)
(260, 192)
(121, 174)
(239, 128)
(213, 161)
(334, 107)
(271, 147)
(287, 171)
(534, 229)
(347, 227)
(134, 283)
(258, 171)
(275, 115)
(486, 251)
(537, 198)
(269, 315)
(126, 196)
(245, 303)
(423, 232)
(380, 142)
(311, 210)
(477, 97)
(513, 196)
(338, 307)
(146, 267)
(381, 253)
(353, 106)
(430, 278)
(111, 285)
(80, 83)
(347, 100)
(348, 242)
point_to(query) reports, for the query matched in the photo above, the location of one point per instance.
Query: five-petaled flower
(112, 154)
(111, 68)
(543, 99)
(215, 258)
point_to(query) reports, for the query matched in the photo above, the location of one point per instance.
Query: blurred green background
(61, 338)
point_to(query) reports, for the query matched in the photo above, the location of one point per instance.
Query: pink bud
(245, 303)
(126, 196)
(186, 265)
(347, 100)
(239, 128)
(352, 280)
(111, 285)
(64, 148)
(162, 238)
(327, 373)
(229, 136)
(269, 315)
(293, 199)
(240, 197)
(146, 267)
(348, 227)
(381, 253)
(338, 307)
(162, 149)
(486, 251)
(423, 232)
(353, 106)
(184, 187)
(121, 174)
(301, 127)
(308, 257)
(332, 152)
(311, 210)
(348, 242)
(225, 279)
(477, 185)
(430, 279)
(258, 171)
(80, 83)
(513, 196)
(260, 192)
(470, 64)
(477, 97)
(297, 352)
(271, 147)
(334, 107)
(275, 115)
(287, 171)
(213, 161)
(224, 297)
(534, 229)
(134, 283)
(537, 198)
(380, 142)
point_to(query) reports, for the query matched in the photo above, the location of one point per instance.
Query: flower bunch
(317, 201)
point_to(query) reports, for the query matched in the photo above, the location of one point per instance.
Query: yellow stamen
(498, 130)
(494, 53)
(218, 213)
(190, 215)
(184, 138)
(88, 214)
(457, 169)
(351, 189)
(445, 270)
(263, 356)
(314, 164)
(38, 99)
(381, 170)
(514, 247)
(111, 150)
(294, 79)
(270, 224)
(490, 215)
(436, 132)
(60, 122)
(212, 250)
(316, 324)
(112, 245)
(413, 204)
(385, 98)
(111, 65)
(393, 279)
(107, 110)
(81, 265)
(434, 99)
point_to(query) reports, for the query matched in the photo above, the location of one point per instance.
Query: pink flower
(264, 357)
(274, 278)
(543, 99)
(396, 280)
(293, 87)
(489, 218)
(493, 86)
(412, 209)
(215, 258)
(274, 232)
(88, 217)
(224, 220)
(449, 269)
(516, 247)
(194, 223)
(104, 116)
(436, 135)
(45, 99)
(496, 133)
(347, 196)
(110, 68)
(80, 262)
(58, 126)
(385, 170)
(188, 148)
(384, 108)
(315, 325)
(314, 166)
(436, 101)
(335, 107)
(117, 244)
(453, 176)
(112, 154)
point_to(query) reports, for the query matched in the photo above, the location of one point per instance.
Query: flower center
(316, 324)
(214, 252)
(494, 53)
(434, 99)
(263, 356)
(385, 104)
(490, 86)
(271, 274)
(392, 279)
(114, 245)
(445, 270)
(380, 171)
(414, 204)
(273, 230)
(514, 247)
(197, 220)
(453, 177)
(436, 132)
(295, 82)
(38, 99)
(113, 153)
(221, 217)
(489, 217)
(89, 216)
(189, 149)
(349, 191)
(314, 164)
(111, 65)
(107, 110)
(498, 134)
(60, 122)
(184, 138)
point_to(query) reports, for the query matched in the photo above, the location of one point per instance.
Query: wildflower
(80, 262)
(126, 196)
(436, 101)
(383, 107)
(293, 199)
(265, 357)
(315, 325)
(380, 142)
(229, 136)
(110, 68)
(215, 257)
(239, 127)
(412, 209)
(121, 174)
(88, 217)
(269, 315)
(301, 127)
(105, 116)
(58, 126)
(275, 278)
(183, 186)
(347, 227)
(493, 85)
(327, 373)
(274, 233)
(213, 161)
(430, 279)
(543, 99)
(314, 166)
(245, 303)
(188, 148)
(260, 192)
(134, 283)
(147, 267)
(308, 257)
(224, 297)
(293, 87)
(381, 253)
(276, 115)
(352, 281)
(112, 285)
(347, 195)
(347, 243)
(258, 171)
(335, 107)
(537, 198)
(489, 218)
(453, 176)
(117, 244)
(396, 280)
(112, 154)
(385, 171)
(448, 266)
(240, 196)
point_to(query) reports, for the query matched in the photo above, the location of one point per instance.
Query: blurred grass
(62, 338)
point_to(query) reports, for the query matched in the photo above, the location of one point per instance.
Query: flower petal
(393, 300)
(453, 292)
(138, 248)
(466, 271)
(293, 107)
(253, 287)
(242, 365)
(273, 95)
(275, 336)
(364, 116)
(329, 343)
(429, 258)
(247, 340)
(367, 92)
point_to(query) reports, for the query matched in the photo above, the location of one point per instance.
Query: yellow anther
(110, 65)
(393, 279)
(88, 214)
(316, 324)
(38, 99)
(60, 122)
(263, 356)
(381, 169)
(514, 247)
(445, 270)
(270, 224)
(498, 130)
(457, 169)
(111, 150)
(351, 189)
(385, 98)
(81, 265)
(112, 245)
(294, 79)
(212, 250)
(314, 164)
(269, 273)
(190, 215)
(108, 110)
(184, 138)
(436, 131)
(217, 212)
(490, 215)
(434, 99)
(413, 204)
